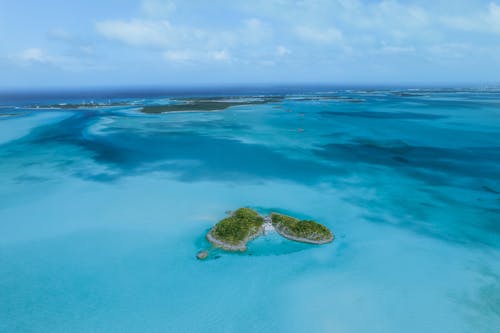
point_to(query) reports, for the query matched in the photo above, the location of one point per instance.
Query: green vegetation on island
(243, 225)
(301, 230)
(234, 232)
(178, 104)
(207, 104)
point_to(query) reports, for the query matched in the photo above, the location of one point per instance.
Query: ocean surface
(103, 209)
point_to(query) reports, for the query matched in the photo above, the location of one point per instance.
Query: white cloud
(159, 34)
(254, 30)
(179, 55)
(187, 43)
(282, 51)
(221, 55)
(139, 32)
(493, 17)
(33, 55)
(188, 56)
(354, 27)
(486, 21)
(393, 49)
(40, 57)
(321, 36)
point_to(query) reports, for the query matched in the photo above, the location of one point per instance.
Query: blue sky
(55, 43)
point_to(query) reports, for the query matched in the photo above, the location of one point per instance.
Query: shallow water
(102, 211)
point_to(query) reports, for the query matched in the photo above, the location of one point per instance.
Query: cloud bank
(304, 40)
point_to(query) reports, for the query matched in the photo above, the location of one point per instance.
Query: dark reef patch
(444, 163)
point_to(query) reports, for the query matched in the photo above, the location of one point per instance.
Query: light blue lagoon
(103, 208)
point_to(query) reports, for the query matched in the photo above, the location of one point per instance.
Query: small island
(301, 230)
(208, 104)
(243, 225)
(234, 232)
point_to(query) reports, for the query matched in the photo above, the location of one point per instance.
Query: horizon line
(237, 86)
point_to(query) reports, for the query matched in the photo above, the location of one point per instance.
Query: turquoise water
(102, 211)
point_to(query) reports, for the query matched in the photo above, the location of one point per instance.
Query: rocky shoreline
(283, 233)
(242, 246)
(305, 231)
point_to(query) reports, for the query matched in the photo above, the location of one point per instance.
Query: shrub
(242, 224)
